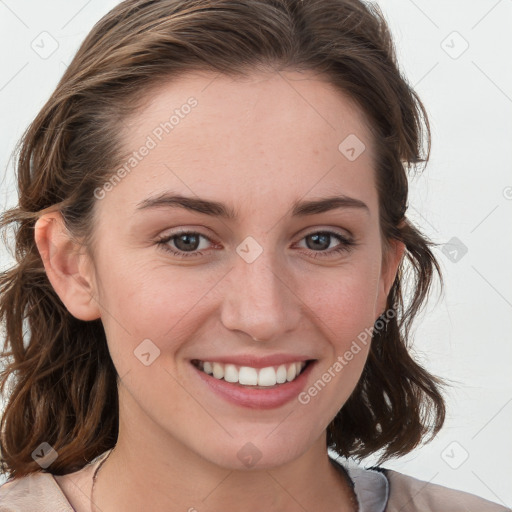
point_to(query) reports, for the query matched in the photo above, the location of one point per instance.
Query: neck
(150, 470)
(125, 478)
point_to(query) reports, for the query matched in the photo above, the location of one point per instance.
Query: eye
(186, 242)
(321, 240)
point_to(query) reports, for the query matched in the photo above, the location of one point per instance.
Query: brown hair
(61, 381)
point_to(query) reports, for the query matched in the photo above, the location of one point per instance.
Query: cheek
(342, 300)
(151, 297)
(148, 302)
(342, 305)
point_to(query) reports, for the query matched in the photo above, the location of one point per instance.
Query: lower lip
(257, 398)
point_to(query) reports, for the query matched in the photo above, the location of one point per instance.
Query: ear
(390, 262)
(68, 267)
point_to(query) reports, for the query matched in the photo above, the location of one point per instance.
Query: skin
(256, 144)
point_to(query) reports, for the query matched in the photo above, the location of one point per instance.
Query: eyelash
(346, 244)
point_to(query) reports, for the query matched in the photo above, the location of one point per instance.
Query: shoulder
(383, 490)
(37, 491)
(408, 494)
(46, 492)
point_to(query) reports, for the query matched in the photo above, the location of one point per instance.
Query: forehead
(261, 137)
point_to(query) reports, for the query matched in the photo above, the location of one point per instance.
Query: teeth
(248, 376)
(218, 370)
(230, 373)
(291, 372)
(281, 374)
(266, 377)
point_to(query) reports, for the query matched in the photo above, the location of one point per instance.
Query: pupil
(187, 239)
(320, 236)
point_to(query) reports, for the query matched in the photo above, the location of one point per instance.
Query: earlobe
(67, 266)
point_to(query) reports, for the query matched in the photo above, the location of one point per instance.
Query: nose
(259, 299)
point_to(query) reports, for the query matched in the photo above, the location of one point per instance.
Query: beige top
(380, 490)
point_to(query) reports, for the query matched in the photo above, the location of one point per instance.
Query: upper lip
(255, 361)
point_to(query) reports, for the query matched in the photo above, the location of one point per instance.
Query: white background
(466, 192)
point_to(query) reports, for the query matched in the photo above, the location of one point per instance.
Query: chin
(267, 450)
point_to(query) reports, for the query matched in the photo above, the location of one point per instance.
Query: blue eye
(187, 244)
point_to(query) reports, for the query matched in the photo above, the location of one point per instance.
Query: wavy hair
(58, 380)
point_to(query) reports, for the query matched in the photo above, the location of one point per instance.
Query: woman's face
(247, 157)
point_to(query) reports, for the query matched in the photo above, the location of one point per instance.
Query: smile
(249, 376)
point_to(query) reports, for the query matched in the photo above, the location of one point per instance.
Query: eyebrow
(217, 209)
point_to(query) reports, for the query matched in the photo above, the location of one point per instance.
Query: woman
(212, 243)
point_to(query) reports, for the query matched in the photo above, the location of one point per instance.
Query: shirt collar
(371, 486)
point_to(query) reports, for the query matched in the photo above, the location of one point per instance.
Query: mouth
(268, 377)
